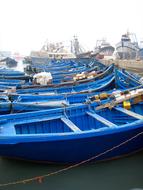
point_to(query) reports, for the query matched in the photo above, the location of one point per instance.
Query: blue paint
(46, 136)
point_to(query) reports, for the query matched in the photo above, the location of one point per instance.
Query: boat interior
(81, 121)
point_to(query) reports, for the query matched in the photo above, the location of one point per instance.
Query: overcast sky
(26, 24)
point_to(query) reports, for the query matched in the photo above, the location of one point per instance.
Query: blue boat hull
(85, 84)
(5, 108)
(74, 150)
(31, 103)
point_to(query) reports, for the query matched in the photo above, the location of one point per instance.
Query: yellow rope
(39, 178)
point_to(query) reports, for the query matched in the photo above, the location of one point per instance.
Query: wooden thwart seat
(70, 124)
(101, 119)
(130, 113)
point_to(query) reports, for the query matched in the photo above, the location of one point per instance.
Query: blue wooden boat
(71, 86)
(46, 64)
(132, 75)
(31, 102)
(65, 76)
(61, 75)
(21, 106)
(5, 105)
(25, 77)
(77, 67)
(68, 76)
(72, 135)
(10, 81)
(9, 84)
(96, 85)
(4, 88)
(126, 80)
(10, 72)
(64, 63)
(6, 84)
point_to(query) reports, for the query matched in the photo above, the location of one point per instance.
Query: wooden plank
(101, 119)
(125, 97)
(130, 113)
(70, 124)
(38, 119)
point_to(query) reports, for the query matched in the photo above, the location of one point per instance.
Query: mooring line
(40, 178)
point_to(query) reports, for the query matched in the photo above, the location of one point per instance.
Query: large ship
(51, 50)
(78, 50)
(103, 50)
(104, 47)
(128, 47)
(140, 53)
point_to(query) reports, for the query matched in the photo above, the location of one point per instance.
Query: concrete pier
(132, 65)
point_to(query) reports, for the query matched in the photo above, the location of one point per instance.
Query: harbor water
(120, 174)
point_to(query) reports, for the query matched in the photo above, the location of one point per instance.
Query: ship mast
(75, 46)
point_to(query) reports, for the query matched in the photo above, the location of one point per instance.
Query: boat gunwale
(22, 138)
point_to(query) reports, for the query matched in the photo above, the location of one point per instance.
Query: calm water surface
(121, 174)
